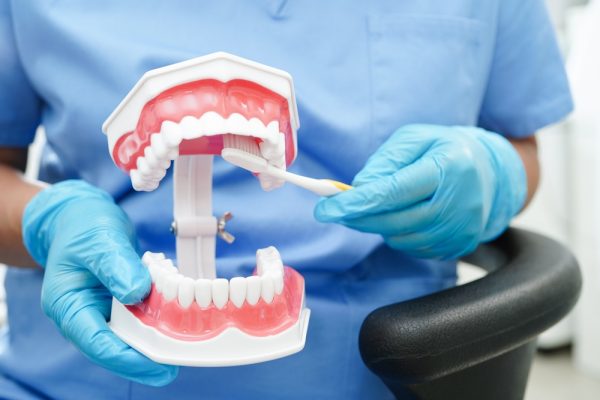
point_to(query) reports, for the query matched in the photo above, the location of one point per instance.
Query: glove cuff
(511, 188)
(40, 213)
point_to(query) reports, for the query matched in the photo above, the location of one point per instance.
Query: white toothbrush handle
(317, 186)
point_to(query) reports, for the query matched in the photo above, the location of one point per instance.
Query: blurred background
(566, 208)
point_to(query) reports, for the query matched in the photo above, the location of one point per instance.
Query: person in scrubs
(428, 108)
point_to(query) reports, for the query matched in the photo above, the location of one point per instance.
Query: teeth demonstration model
(188, 112)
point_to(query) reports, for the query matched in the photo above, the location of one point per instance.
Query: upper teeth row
(164, 145)
(173, 285)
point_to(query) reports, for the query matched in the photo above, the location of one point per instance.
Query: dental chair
(475, 341)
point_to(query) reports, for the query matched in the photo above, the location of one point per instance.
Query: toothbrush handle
(321, 187)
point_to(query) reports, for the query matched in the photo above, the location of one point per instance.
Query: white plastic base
(232, 347)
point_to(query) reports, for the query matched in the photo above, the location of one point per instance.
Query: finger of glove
(118, 267)
(404, 188)
(403, 148)
(88, 330)
(393, 223)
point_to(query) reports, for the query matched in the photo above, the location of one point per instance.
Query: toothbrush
(244, 153)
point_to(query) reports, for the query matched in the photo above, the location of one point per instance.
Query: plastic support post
(195, 226)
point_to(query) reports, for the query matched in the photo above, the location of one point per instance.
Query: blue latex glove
(434, 191)
(86, 244)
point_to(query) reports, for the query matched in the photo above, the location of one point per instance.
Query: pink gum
(196, 323)
(194, 99)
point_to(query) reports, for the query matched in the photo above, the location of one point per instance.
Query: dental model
(186, 113)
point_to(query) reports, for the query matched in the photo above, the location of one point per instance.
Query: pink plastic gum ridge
(196, 323)
(196, 98)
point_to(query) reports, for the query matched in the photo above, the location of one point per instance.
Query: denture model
(186, 113)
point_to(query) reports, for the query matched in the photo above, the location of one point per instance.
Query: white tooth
(171, 285)
(267, 289)
(173, 153)
(157, 174)
(150, 157)
(157, 256)
(151, 185)
(256, 128)
(273, 129)
(203, 292)
(137, 181)
(211, 123)
(142, 166)
(253, 284)
(147, 258)
(160, 277)
(189, 127)
(159, 147)
(172, 133)
(220, 292)
(185, 295)
(168, 266)
(155, 271)
(236, 124)
(277, 281)
(237, 291)
(268, 260)
(154, 162)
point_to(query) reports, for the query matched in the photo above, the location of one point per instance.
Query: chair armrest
(534, 282)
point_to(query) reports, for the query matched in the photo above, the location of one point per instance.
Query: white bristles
(244, 143)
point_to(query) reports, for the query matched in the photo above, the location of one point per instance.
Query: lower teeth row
(172, 285)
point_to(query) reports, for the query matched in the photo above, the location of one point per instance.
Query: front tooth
(256, 127)
(159, 147)
(220, 292)
(185, 295)
(212, 123)
(268, 260)
(236, 124)
(203, 292)
(189, 127)
(171, 286)
(267, 289)
(253, 285)
(237, 291)
(172, 133)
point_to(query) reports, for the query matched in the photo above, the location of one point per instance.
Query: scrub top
(361, 71)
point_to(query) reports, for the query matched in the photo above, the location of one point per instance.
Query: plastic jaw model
(186, 113)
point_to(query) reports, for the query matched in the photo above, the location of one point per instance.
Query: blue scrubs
(360, 71)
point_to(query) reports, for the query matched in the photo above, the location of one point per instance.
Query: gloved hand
(85, 242)
(434, 191)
